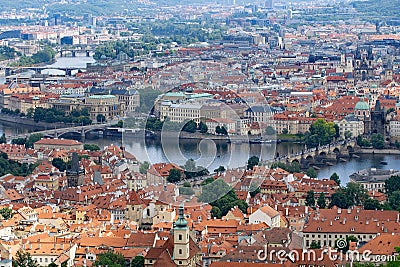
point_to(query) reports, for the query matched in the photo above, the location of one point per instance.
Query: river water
(212, 154)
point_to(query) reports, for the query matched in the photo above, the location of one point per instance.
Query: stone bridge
(323, 154)
(59, 132)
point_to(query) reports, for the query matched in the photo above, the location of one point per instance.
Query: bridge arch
(69, 132)
(295, 160)
(309, 158)
(323, 153)
(350, 148)
(336, 150)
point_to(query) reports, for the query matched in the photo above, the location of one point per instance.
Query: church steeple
(181, 240)
(181, 221)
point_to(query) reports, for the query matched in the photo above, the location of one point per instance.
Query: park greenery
(6, 213)
(24, 259)
(155, 34)
(27, 142)
(46, 55)
(376, 141)
(321, 133)
(7, 53)
(144, 167)
(110, 259)
(174, 176)
(91, 147)
(289, 167)
(221, 197)
(14, 167)
(52, 115)
(192, 171)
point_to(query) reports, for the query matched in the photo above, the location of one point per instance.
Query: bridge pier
(73, 54)
(61, 53)
(83, 135)
(87, 53)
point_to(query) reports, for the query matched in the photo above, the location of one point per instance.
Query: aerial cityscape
(228, 133)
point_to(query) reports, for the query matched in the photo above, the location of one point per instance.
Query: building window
(180, 237)
(180, 251)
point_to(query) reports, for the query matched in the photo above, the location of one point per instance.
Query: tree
(203, 128)
(174, 176)
(310, 199)
(392, 184)
(100, 118)
(144, 167)
(219, 169)
(372, 204)
(6, 213)
(311, 172)
(321, 202)
(339, 199)
(347, 134)
(91, 147)
(52, 265)
(377, 141)
(315, 245)
(335, 177)
(24, 259)
(321, 133)
(216, 212)
(190, 165)
(59, 164)
(253, 161)
(138, 261)
(33, 138)
(285, 131)
(394, 200)
(224, 131)
(218, 129)
(190, 127)
(3, 139)
(110, 259)
(270, 130)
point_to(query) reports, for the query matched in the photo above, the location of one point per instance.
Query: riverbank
(378, 151)
(16, 120)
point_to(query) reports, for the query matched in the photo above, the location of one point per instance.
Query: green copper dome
(181, 222)
(361, 105)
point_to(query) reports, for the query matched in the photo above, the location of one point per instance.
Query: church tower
(75, 174)
(181, 240)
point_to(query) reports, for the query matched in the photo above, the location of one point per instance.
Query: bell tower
(181, 240)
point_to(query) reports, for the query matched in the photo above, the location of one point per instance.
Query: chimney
(344, 220)
(330, 223)
(306, 210)
(349, 210)
(287, 211)
(339, 210)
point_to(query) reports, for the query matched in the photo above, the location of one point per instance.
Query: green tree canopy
(311, 172)
(110, 259)
(321, 133)
(321, 202)
(253, 161)
(335, 177)
(138, 261)
(174, 176)
(144, 167)
(377, 141)
(24, 259)
(310, 199)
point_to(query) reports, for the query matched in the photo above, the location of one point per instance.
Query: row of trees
(51, 115)
(7, 53)
(45, 55)
(376, 141)
(10, 166)
(28, 142)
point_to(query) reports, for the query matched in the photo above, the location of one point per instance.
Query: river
(213, 154)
